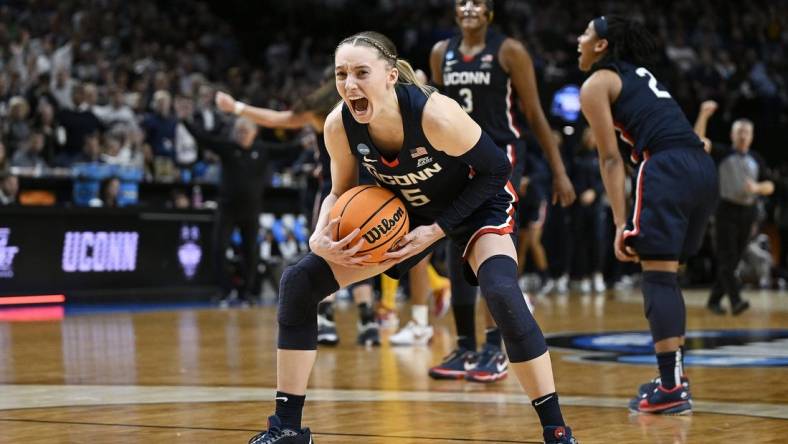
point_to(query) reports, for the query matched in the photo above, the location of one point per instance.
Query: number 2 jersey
(646, 115)
(427, 180)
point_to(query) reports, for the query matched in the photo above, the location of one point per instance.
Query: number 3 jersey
(481, 86)
(646, 115)
(425, 179)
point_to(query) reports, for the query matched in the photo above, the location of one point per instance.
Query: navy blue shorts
(676, 191)
(533, 210)
(494, 216)
(515, 152)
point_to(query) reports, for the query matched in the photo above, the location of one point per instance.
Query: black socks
(289, 408)
(548, 410)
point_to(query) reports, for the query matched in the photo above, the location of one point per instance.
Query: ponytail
(407, 75)
(388, 51)
(628, 41)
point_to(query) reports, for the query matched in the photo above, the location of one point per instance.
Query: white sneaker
(585, 285)
(548, 287)
(599, 283)
(562, 284)
(412, 334)
(387, 318)
(326, 331)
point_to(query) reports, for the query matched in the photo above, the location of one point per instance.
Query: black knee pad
(521, 334)
(663, 304)
(462, 292)
(303, 285)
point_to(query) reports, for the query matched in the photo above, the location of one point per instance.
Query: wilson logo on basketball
(383, 227)
(378, 214)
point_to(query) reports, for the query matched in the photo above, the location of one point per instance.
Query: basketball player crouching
(398, 122)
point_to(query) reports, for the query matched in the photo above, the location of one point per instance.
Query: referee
(742, 182)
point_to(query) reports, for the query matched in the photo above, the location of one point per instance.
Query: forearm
(325, 210)
(765, 188)
(492, 172)
(613, 176)
(272, 119)
(701, 124)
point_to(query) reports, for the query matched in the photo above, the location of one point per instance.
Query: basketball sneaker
(326, 331)
(492, 366)
(412, 334)
(676, 401)
(656, 382)
(456, 365)
(442, 301)
(558, 435)
(276, 434)
(599, 283)
(368, 334)
(387, 318)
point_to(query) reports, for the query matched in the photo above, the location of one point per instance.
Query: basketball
(377, 212)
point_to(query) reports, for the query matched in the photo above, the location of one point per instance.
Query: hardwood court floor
(208, 375)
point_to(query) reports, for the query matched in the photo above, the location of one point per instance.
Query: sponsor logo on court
(7, 254)
(704, 348)
(190, 252)
(386, 224)
(100, 251)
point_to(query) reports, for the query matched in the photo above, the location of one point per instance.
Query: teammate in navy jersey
(311, 111)
(676, 188)
(487, 73)
(453, 180)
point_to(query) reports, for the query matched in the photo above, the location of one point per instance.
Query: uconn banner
(66, 250)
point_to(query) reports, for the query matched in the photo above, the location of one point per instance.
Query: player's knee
(522, 335)
(302, 287)
(663, 304)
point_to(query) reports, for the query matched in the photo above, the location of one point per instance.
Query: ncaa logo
(704, 348)
(362, 149)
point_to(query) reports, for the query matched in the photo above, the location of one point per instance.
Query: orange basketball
(379, 214)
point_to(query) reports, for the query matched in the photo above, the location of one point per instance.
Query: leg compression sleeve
(663, 304)
(521, 334)
(463, 299)
(303, 286)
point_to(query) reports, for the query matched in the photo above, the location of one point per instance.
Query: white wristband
(238, 108)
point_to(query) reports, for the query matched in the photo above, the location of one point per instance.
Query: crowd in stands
(95, 81)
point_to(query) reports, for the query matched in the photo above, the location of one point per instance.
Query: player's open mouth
(360, 105)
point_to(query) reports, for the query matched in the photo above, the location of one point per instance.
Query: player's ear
(393, 76)
(601, 45)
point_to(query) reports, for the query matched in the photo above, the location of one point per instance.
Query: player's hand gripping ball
(378, 213)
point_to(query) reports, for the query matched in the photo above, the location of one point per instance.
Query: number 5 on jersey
(415, 197)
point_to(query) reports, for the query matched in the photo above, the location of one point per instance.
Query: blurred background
(105, 194)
